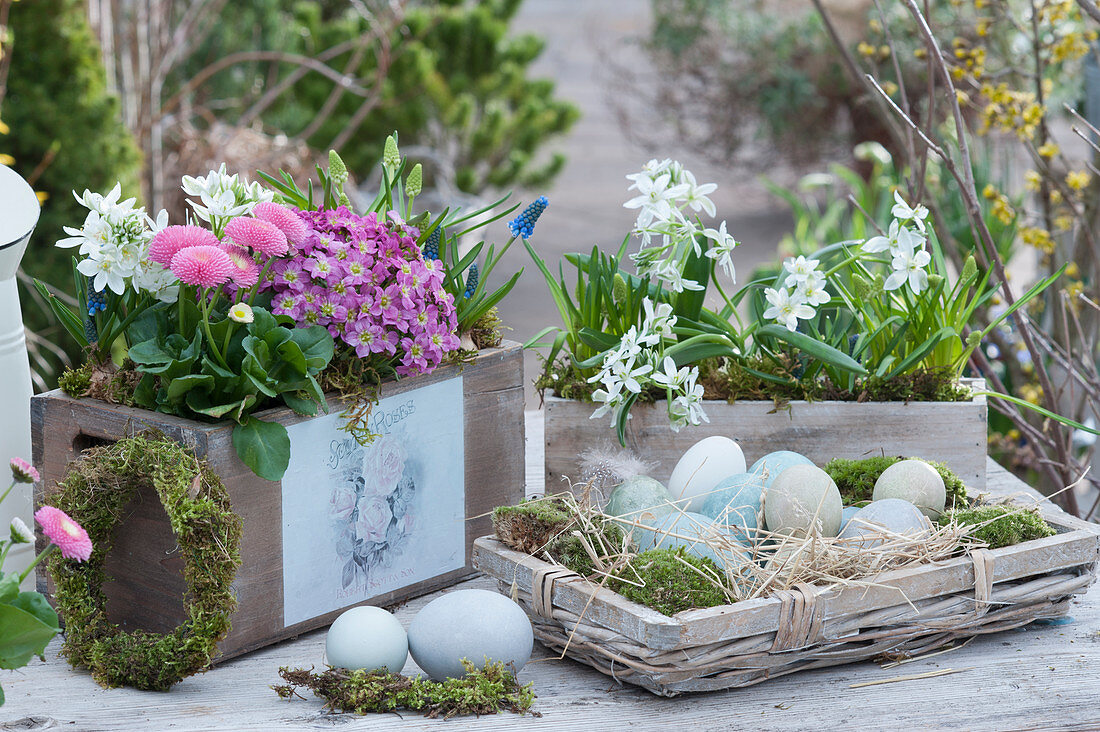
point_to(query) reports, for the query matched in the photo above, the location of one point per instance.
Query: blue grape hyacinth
(431, 246)
(96, 300)
(471, 282)
(524, 224)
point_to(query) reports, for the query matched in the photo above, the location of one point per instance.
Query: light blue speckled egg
(846, 514)
(893, 515)
(771, 465)
(689, 530)
(736, 504)
(637, 496)
(470, 624)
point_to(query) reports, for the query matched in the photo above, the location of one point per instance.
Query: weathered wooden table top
(1043, 676)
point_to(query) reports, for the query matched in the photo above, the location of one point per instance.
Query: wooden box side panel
(146, 562)
(950, 432)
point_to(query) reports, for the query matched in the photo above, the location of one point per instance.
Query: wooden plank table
(1043, 676)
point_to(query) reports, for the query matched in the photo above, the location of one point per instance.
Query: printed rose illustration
(371, 508)
(374, 518)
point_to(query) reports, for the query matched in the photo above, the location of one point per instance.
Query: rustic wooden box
(911, 610)
(145, 568)
(951, 432)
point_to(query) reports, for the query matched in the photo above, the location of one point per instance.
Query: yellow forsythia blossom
(1032, 180)
(1063, 222)
(1048, 150)
(1038, 238)
(1077, 179)
(1073, 271)
(6, 159)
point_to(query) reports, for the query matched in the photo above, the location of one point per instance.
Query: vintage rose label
(360, 521)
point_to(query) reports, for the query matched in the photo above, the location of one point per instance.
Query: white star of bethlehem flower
(786, 308)
(722, 251)
(903, 211)
(909, 267)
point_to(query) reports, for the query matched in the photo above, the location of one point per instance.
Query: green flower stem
(718, 286)
(228, 336)
(206, 324)
(256, 287)
(48, 550)
(8, 490)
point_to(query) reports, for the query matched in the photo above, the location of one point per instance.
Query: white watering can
(19, 211)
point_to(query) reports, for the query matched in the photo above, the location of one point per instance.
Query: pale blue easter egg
(471, 624)
(638, 496)
(803, 500)
(846, 514)
(692, 531)
(736, 504)
(368, 638)
(880, 518)
(774, 463)
(702, 467)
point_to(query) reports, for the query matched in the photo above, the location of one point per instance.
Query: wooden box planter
(951, 432)
(911, 610)
(455, 451)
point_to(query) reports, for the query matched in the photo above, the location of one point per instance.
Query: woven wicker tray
(911, 610)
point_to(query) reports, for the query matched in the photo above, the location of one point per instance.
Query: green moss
(531, 525)
(856, 478)
(486, 332)
(490, 690)
(667, 585)
(75, 382)
(777, 380)
(568, 549)
(1000, 526)
(95, 493)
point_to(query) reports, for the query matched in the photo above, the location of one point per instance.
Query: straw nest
(569, 529)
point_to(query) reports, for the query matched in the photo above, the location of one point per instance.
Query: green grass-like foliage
(489, 690)
(1000, 526)
(856, 478)
(95, 492)
(666, 584)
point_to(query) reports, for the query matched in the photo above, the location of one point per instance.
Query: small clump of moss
(1000, 526)
(569, 550)
(485, 333)
(489, 690)
(856, 478)
(75, 382)
(529, 526)
(922, 385)
(105, 382)
(669, 581)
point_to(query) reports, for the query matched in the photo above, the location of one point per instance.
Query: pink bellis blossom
(23, 472)
(169, 240)
(283, 218)
(204, 266)
(262, 236)
(69, 536)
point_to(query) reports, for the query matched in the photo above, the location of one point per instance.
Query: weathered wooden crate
(951, 432)
(467, 469)
(911, 610)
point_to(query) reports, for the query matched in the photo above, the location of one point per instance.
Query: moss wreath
(95, 492)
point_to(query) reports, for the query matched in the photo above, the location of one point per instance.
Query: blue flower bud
(524, 224)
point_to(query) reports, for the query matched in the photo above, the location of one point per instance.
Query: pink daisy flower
(204, 266)
(284, 219)
(264, 237)
(248, 272)
(23, 472)
(69, 536)
(171, 239)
